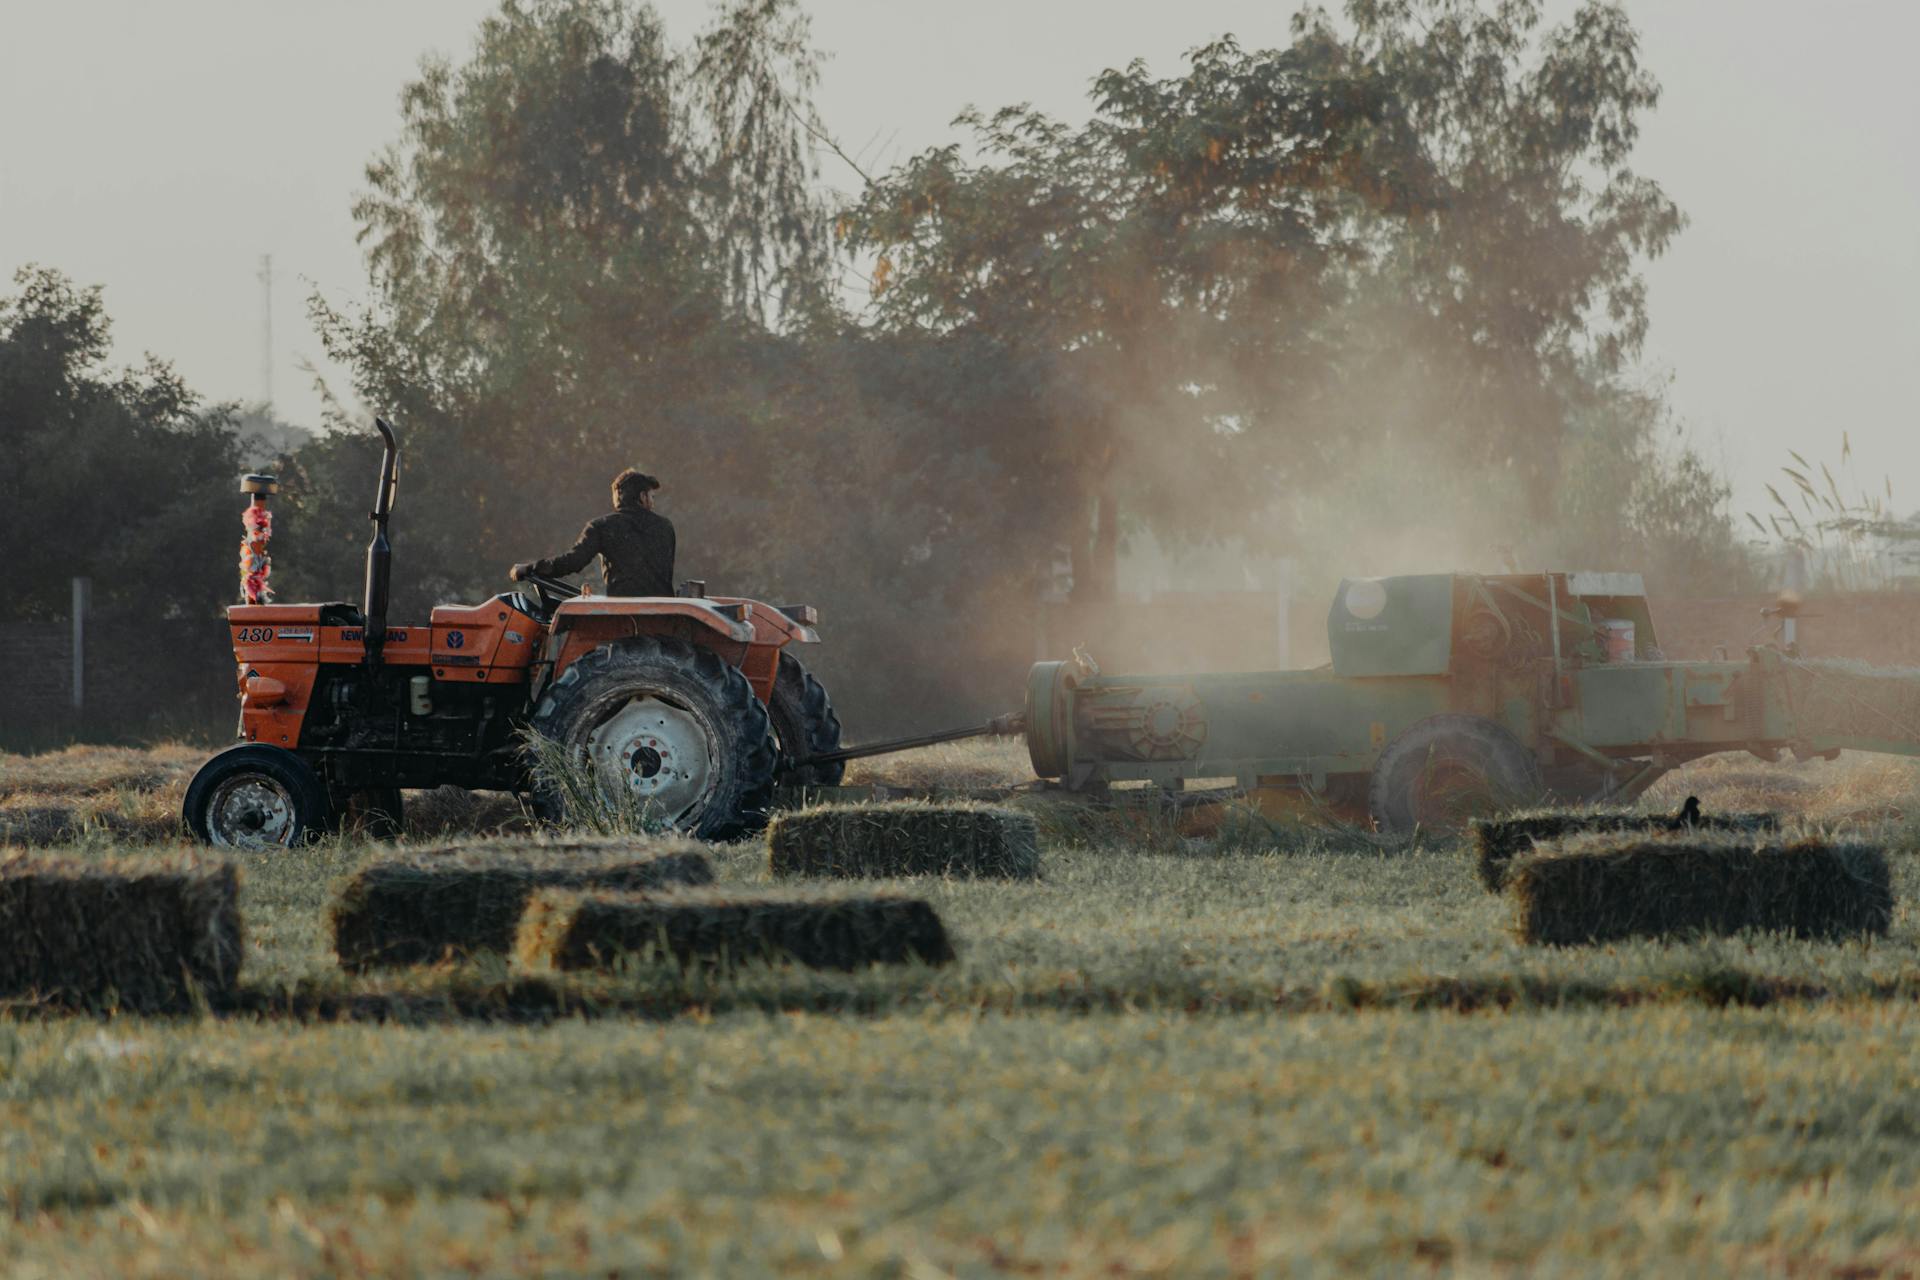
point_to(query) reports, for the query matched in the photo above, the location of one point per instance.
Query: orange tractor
(694, 704)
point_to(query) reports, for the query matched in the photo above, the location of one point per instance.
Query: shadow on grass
(437, 998)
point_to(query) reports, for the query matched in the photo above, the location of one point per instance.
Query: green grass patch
(1620, 1142)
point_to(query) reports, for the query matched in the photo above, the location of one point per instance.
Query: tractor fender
(581, 625)
(640, 609)
(770, 625)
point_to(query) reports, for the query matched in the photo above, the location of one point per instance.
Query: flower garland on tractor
(255, 562)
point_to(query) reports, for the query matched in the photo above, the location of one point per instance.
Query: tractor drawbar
(1012, 724)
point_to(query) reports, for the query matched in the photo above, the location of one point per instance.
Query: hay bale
(1600, 887)
(145, 935)
(1497, 841)
(904, 839)
(722, 928)
(454, 903)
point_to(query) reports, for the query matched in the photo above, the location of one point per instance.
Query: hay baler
(1453, 694)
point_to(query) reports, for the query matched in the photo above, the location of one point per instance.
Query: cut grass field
(1274, 1050)
(1619, 1144)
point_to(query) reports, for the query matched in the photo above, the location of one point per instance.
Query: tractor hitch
(1012, 724)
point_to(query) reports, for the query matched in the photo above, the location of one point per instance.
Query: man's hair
(630, 484)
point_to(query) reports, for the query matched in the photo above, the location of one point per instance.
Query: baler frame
(1521, 653)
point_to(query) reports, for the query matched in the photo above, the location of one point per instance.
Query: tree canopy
(117, 475)
(1374, 291)
(1414, 234)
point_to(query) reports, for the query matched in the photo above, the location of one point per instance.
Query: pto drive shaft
(1011, 724)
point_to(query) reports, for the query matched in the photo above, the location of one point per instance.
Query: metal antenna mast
(265, 276)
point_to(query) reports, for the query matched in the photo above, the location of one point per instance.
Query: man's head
(634, 489)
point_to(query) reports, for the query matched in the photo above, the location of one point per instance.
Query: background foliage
(1371, 300)
(108, 474)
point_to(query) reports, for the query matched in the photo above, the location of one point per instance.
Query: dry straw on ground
(147, 935)
(456, 902)
(974, 764)
(1497, 841)
(904, 838)
(722, 928)
(89, 770)
(128, 816)
(1596, 888)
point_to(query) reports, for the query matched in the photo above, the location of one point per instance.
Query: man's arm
(573, 560)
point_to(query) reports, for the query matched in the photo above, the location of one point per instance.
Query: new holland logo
(456, 639)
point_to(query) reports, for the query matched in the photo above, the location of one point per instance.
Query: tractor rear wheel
(667, 728)
(254, 796)
(1446, 770)
(804, 725)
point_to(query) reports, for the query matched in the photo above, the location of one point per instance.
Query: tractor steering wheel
(552, 591)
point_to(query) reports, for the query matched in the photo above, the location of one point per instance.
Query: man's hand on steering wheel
(552, 592)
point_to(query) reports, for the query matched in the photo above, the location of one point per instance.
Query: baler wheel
(804, 724)
(1447, 769)
(672, 723)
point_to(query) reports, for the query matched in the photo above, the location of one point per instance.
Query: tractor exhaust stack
(379, 551)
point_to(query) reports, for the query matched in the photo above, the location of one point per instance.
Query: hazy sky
(160, 148)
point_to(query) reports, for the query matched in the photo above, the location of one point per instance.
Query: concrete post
(1285, 620)
(82, 602)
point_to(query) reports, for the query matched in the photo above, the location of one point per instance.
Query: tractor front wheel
(1446, 770)
(804, 725)
(664, 730)
(254, 796)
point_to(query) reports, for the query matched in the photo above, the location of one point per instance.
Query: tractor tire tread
(741, 803)
(802, 710)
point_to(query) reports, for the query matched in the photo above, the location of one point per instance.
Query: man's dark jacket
(635, 546)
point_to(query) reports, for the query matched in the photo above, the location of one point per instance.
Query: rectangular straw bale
(722, 928)
(1497, 841)
(139, 934)
(904, 838)
(455, 902)
(1601, 887)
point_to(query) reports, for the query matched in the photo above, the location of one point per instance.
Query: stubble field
(1272, 1050)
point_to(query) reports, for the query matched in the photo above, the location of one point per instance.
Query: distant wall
(1878, 627)
(143, 680)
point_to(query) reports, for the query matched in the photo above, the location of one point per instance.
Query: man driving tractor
(634, 542)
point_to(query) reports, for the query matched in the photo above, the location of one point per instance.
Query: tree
(1168, 256)
(577, 247)
(1387, 274)
(120, 476)
(1520, 289)
(592, 249)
